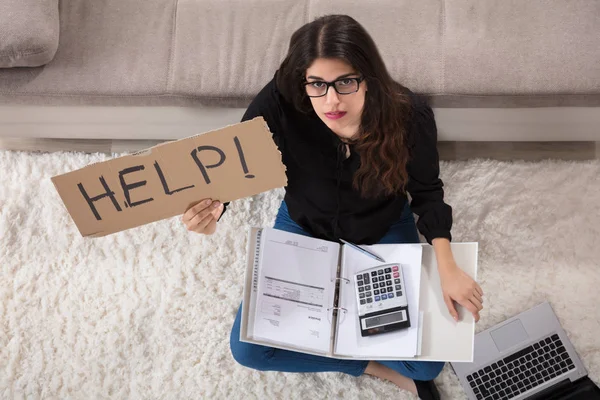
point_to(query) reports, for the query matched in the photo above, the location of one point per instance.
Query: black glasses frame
(332, 84)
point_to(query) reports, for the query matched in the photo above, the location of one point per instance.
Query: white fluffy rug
(146, 313)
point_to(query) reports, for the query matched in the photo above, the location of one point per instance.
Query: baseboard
(114, 123)
(169, 123)
(527, 151)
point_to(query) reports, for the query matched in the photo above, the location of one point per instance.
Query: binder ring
(346, 279)
(337, 308)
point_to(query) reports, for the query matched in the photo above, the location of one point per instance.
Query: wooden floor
(449, 151)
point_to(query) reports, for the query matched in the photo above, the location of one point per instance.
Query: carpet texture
(146, 313)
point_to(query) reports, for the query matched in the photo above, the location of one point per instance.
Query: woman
(354, 143)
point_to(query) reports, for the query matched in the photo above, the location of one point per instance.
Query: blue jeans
(265, 358)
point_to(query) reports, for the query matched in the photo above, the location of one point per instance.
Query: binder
(440, 337)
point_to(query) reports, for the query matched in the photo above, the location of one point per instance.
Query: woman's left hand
(460, 287)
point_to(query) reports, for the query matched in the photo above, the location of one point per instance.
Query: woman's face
(340, 112)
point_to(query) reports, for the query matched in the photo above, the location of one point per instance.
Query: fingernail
(216, 204)
(207, 202)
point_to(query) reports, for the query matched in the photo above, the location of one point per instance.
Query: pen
(368, 253)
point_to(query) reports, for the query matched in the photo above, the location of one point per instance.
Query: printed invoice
(293, 299)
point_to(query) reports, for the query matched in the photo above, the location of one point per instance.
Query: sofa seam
(21, 54)
(173, 44)
(442, 86)
(121, 96)
(250, 97)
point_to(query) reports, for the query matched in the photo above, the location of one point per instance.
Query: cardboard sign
(226, 164)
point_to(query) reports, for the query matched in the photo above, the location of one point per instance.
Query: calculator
(382, 301)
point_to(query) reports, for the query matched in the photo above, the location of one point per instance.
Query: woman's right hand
(203, 217)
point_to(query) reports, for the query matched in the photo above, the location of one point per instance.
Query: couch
(493, 70)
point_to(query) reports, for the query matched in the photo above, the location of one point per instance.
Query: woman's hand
(459, 287)
(456, 284)
(202, 218)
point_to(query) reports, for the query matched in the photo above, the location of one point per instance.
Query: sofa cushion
(525, 47)
(408, 35)
(29, 31)
(107, 48)
(482, 48)
(231, 51)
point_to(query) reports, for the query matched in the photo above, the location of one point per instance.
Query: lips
(335, 114)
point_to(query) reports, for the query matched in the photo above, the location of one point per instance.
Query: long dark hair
(382, 137)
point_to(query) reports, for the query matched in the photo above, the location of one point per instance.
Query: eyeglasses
(341, 86)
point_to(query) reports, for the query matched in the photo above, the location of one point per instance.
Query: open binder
(299, 296)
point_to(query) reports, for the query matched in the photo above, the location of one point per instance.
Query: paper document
(420, 341)
(401, 343)
(294, 291)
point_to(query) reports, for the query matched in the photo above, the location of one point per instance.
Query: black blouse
(319, 194)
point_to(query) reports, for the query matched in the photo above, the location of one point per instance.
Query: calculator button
(377, 298)
(396, 280)
(369, 300)
(373, 273)
(388, 276)
(368, 287)
(366, 276)
(396, 275)
(361, 289)
(389, 283)
(399, 293)
(362, 301)
(368, 293)
(367, 281)
(380, 272)
(388, 270)
(359, 283)
(375, 286)
(381, 279)
(390, 289)
(398, 287)
(395, 268)
(390, 295)
(384, 297)
(376, 291)
(361, 295)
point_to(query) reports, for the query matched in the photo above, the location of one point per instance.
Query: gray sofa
(493, 70)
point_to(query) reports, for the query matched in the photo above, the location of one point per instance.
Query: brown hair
(382, 137)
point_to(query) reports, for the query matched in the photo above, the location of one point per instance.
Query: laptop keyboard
(522, 371)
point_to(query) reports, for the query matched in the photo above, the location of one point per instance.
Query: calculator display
(384, 319)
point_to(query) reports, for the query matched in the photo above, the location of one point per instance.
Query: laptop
(528, 356)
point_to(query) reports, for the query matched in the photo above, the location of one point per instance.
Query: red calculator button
(395, 268)
(396, 274)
